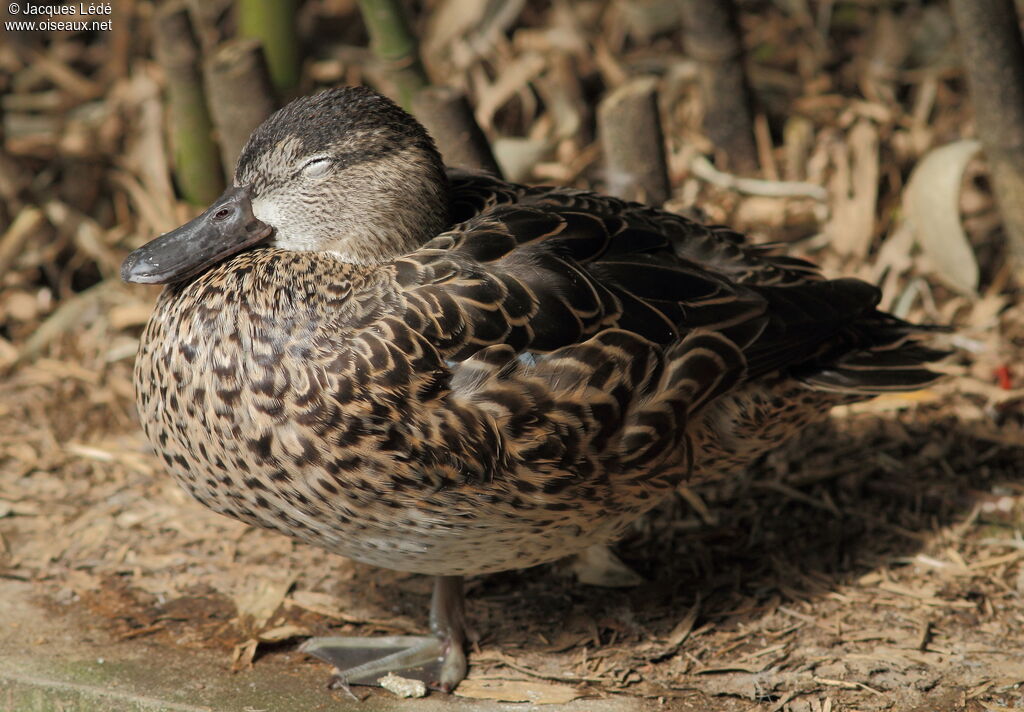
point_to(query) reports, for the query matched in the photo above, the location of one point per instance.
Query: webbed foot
(439, 660)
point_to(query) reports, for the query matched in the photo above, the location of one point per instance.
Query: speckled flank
(518, 388)
(347, 430)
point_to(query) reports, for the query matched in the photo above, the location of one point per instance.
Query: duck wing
(541, 277)
(715, 247)
(541, 268)
(579, 335)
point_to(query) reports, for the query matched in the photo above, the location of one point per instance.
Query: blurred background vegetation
(830, 104)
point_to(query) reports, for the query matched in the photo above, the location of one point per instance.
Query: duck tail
(887, 356)
(831, 336)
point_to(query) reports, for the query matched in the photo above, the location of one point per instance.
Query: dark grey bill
(225, 228)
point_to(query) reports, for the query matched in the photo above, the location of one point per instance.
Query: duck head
(344, 172)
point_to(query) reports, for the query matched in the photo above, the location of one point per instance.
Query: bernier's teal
(440, 372)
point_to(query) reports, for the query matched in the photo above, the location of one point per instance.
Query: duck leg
(438, 659)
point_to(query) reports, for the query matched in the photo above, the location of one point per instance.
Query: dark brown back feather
(541, 269)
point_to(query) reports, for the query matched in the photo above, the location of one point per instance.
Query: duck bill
(224, 229)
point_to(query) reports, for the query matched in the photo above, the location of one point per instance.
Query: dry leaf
(256, 600)
(599, 566)
(284, 632)
(683, 628)
(931, 204)
(536, 692)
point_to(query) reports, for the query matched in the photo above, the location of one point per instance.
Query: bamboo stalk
(710, 36)
(449, 119)
(12, 178)
(990, 38)
(197, 168)
(396, 47)
(272, 22)
(26, 225)
(634, 147)
(240, 94)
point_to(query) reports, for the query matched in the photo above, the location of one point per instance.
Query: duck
(437, 371)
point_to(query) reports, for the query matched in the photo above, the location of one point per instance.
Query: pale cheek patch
(288, 232)
(268, 211)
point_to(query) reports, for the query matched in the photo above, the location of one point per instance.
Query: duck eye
(317, 167)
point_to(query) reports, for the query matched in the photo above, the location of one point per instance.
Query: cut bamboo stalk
(12, 178)
(205, 18)
(272, 22)
(396, 47)
(449, 119)
(631, 138)
(27, 224)
(710, 37)
(197, 168)
(240, 94)
(990, 38)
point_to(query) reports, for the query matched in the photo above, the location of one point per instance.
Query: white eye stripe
(316, 167)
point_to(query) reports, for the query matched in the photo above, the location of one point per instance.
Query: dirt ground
(875, 563)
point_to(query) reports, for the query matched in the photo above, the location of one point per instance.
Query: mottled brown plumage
(515, 389)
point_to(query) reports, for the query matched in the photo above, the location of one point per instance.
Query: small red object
(1003, 376)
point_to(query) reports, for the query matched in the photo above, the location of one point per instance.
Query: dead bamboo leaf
(683, 628)
(931, 204)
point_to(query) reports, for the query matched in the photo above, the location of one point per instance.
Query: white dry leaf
(931, 204)
(517, 156)
(599, 566)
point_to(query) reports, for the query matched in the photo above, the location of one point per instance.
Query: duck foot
(439, 660)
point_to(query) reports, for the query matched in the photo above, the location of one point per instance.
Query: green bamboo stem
(396, 47)
(272, 22)
(197, 169)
